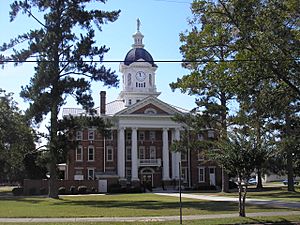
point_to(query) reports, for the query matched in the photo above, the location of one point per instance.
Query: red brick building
(138, 149)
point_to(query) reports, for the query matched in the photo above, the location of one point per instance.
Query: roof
(136, 54)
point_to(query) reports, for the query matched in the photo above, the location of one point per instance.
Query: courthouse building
(138, 149)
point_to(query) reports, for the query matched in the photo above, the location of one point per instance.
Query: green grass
(116, 205)
(237, 220)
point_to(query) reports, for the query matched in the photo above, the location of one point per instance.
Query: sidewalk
(254, 201)
(141, 219)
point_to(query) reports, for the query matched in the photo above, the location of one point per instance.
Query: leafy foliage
(16, 139)
(67, 62)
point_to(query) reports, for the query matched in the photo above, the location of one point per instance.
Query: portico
(149, 153)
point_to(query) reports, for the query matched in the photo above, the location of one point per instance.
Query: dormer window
(150, 111)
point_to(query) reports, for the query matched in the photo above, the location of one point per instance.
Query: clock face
(140, 76)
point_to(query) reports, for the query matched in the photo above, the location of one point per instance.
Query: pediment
(150, 106)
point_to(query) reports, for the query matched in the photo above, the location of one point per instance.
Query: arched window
(150, 79)
(150, 111)
(129, 79)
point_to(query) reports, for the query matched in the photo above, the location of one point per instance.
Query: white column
(177, 154)
(166, 174)
(134, 155)
(173, 158)
(121, 153)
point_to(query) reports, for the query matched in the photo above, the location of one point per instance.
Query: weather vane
(138, 24)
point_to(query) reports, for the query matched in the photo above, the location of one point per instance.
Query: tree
(236, 155)
(16, 139)
(258, 41)
(206, 48)
(66, 61)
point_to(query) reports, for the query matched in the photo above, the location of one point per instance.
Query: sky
(161, 23)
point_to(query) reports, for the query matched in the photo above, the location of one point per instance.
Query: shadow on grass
(282, 221)
(212, 207)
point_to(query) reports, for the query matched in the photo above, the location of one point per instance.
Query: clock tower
(138, 72)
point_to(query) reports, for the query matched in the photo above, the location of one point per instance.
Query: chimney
(102, 102)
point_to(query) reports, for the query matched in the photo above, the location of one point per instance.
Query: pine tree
(67, 60)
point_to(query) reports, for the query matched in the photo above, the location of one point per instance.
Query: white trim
(109, 148)
(201, 180)
(81, 154)
(91, 147)
(79, 135)
(91, 134)
(88, 173)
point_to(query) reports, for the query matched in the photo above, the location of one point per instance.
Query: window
(129, 79)
(128, 153)
(78, 171)
(109, 154)
(150, 79)
(141, 135)
(184, 173)
(200, 137)
(200, 156)
(183, 156)
(152, 135)
(128, 174)
(152, 152)
(141, 85)
(201, 174)
(138, 100)
(109, 135)
(150, 111)
(129, 102)
(142, 154)
(91, 153)
(91, 173)
(79, 153)
(91, 135)
(128, 135)
(211, 134)
(78, 135)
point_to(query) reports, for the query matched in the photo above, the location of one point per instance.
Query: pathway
(141, 219)
(274, 203)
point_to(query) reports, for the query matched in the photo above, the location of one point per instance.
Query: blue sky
(161, 23)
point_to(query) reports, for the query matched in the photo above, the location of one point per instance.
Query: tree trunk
(225, 178)
(243, 214)
(55, 93)
(259, 180)
(240, 188)
(225, 181)
(289, 156)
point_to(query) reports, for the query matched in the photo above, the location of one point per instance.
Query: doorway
(212, 176)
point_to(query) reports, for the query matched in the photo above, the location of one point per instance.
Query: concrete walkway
(273, 203)
(141, 219)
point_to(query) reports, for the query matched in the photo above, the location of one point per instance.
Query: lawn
(123, 205)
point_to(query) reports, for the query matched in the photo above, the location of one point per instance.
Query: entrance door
(147, 178)
(212, 176)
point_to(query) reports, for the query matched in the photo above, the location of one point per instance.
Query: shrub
(43, 191)
(93, 190)
(72, 190)
(32, 191)
(134, 190)
(17, 191)
(62, 190)
(82, 189)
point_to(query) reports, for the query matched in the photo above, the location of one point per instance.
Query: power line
(156, 61)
